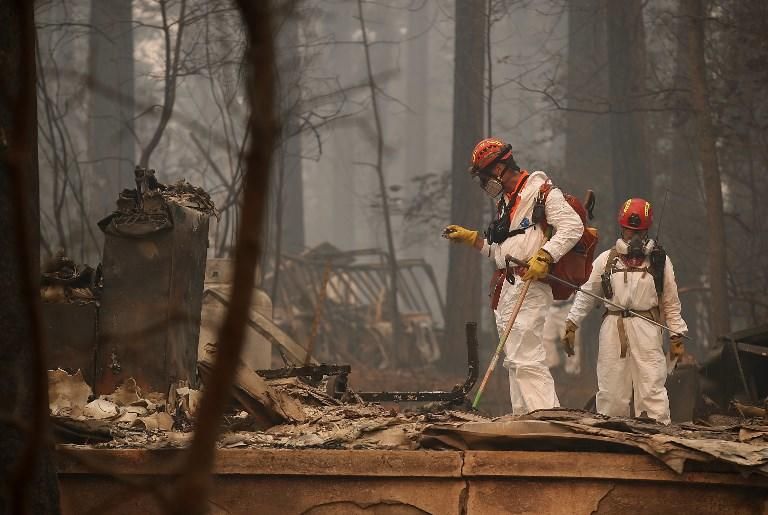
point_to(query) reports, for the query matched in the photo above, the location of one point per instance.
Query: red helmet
(637, 214)
(490, 151)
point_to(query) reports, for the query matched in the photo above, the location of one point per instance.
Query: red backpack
(576, 265)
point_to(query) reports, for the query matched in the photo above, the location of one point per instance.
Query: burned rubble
(304, 408)
(140, 370)
(130, 419)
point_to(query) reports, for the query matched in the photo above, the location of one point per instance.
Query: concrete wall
(406, 482)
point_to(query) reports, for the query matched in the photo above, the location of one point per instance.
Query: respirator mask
(489, 183)
(637, 247)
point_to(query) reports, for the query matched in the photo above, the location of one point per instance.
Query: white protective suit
(644, 366)
(530, 383)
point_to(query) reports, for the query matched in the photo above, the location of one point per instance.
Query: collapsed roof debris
(266, 405)
(742, 445)
(329, 423)
(77, 419)
(67, 393)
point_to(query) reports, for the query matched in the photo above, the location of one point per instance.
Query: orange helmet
(637, 214)
(490, 152)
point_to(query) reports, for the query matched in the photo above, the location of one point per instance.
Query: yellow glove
(569, 340)
(538, 265)
(676, 346)
(460, 234)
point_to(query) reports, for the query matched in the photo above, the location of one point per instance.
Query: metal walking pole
(603, 299)
(495, 358)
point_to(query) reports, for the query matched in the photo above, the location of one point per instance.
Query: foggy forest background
(380, 104)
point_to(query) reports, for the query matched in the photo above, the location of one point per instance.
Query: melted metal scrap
(144, 211)
(313, 372)
(337, 299)
(455, 396)
(65, 281)
(130, 220)
(187, 195)
(337, 386)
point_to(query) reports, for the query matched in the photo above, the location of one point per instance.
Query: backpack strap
(505, 211)
(610, 263)
(539, 215)
(658, 258)
(605, 277)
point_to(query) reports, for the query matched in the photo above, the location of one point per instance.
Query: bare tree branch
(192, 492)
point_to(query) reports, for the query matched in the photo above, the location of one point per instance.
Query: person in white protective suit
(635, 274)
(514, 233)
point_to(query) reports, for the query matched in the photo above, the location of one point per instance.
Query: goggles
(489, 183)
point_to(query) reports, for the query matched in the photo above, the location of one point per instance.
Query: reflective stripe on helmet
(488, 150)
(636, 213)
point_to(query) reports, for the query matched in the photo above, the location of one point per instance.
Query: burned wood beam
(314, 372)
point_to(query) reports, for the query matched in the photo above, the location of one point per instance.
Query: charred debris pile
(291, 413)
(132, 341)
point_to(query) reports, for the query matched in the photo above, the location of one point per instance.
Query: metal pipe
(598, 297)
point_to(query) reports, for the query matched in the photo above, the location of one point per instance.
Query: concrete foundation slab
(327, 482)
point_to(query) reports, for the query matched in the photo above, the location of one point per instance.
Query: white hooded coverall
(644, 366)
(530, 383)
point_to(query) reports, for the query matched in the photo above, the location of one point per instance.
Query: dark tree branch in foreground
(25, 463)
(192, 490)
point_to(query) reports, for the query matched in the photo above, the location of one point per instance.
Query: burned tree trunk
(587, 160)
(464, 297)
(587, 157)
(26, 467)
(416, 92)
(392, 291)
(626, 70)
(290, 197)
(111, 146)
(286, 227)
(683, 235)
(719, 319)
